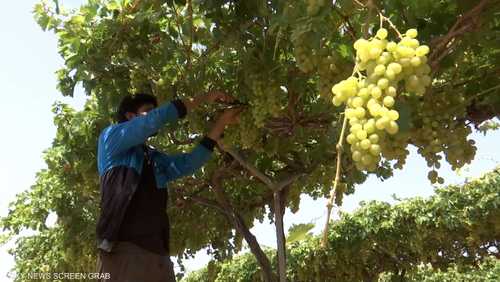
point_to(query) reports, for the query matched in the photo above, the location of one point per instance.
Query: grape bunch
(305, 61)
(314, 6)
(392, 69)
(440, 127)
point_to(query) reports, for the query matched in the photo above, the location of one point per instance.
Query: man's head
(135, 105)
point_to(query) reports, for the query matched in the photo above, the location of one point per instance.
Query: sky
(28, 61)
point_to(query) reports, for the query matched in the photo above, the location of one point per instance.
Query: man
(133, 227)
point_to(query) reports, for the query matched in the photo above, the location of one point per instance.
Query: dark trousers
(128, 262)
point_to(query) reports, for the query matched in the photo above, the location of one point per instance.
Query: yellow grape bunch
(384, 70)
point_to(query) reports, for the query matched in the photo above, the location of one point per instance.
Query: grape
(350, 113)
(366, 159)
(405, 52)
(415, 61)
(391, 91)
(393, 115)
(360, 112)
(365, 144)
(356, 156)
(422, 50)
(388, 101)
(361, 134)
(376, 92)
(392, 128)
(357, 102)
(379, 70)
(383, 83)
(381, 123)
(433, 176)
(412, 33)
(384, 111)
(355, 128)
(360, 43)
(374, 109)
(390, 74)
(374, 138)
(364, 94)
(375, 149)
(351, 138)
(369, 126)
(395, 67)
(375, 52)
(414, 43)
(336, 101)
(391, 46)
(382, 33)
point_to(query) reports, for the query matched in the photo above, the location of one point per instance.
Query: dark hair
(131, 103)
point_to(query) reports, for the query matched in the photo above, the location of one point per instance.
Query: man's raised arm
(121, 137)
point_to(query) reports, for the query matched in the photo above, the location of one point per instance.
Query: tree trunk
(279, 211)
(240, 226)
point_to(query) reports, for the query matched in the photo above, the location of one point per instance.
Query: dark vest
(146, 221)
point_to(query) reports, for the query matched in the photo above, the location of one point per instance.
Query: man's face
(143, 110)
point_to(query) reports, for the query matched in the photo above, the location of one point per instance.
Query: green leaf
(78, 20)
(113, 5)
(298, 232)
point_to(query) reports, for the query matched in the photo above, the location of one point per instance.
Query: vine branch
(464, 23)
(329, 205)
(253, 170)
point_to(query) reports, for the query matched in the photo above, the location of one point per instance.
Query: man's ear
(130, 115)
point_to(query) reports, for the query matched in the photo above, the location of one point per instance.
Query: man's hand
(218, 97)
(210, 97)
(228, 117)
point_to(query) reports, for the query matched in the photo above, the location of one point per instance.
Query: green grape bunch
(314, 6)
(384, 71)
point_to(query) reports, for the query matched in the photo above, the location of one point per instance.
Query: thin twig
(359, 3)
(329, 205)
(209, 203)
(390, 24)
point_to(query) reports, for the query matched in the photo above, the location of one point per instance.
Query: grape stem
(355, 70)
(384, 18)
(329, 205)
